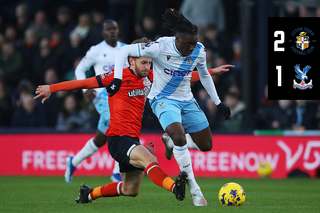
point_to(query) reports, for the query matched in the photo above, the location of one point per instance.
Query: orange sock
(159, 177)
(110, 190)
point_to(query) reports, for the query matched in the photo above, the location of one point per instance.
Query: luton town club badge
(302, 41)
(302, 75)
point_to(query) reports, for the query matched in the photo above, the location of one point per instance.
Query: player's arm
(215, 71)
(150, 50)
(45, 91)
(80, 72)
(208, 84)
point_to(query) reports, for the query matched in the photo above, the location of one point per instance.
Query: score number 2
(279, 41)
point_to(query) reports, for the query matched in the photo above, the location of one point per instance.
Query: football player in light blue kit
(171, 99)
(102, 58)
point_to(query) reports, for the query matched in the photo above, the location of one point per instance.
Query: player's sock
(116, 169)
(190, 143)
(183, 158)
(112, 189)
(159, 177)
(89, 149)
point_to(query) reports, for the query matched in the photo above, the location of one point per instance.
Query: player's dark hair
(140, 40)
(108, 21)
(175, 21)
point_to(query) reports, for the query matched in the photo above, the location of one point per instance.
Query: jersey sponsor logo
(108, 69)
(168, 57)
(138, 92)
(176, 72)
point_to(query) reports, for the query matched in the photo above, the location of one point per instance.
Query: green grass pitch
(52, 194)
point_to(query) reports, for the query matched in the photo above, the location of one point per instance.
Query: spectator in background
(304, 115)
(82, 29)
(122, 11)
(202, 98)
(6, 108)
(291, 11)
(148, 28)
(203, 13)
(212, 114)
(1, 25)
(70, 74)
(72, 117)
(10, 65)
(94, 35)
(218, 41)
(29, 114)
(43, 60)
(22, 17)
(53, 107)
(57, 44)
(74, 50)
(265, 113)
(11, 36)
(282, 115)
(2, 39)
(40, 25)
(240, 118)
(29, 49)
(64, 22)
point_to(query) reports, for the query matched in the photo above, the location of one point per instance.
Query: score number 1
(279, 75)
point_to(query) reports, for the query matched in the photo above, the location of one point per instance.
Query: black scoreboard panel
(293, 58)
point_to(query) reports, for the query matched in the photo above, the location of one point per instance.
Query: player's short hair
(140, 40)
(175, 21)
(108, 21)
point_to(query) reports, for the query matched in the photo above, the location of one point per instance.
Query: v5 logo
(292, 158)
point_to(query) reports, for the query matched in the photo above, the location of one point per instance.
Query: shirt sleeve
(206, 79)
(150, 50)
(85, 64)
(88, 83)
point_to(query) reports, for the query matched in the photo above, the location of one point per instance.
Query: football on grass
(232, 194)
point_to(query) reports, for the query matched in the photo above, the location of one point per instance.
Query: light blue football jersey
(102, 57)
(171, 71)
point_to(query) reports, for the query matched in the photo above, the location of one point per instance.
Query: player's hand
(221, 69)
(224, 110)
(114, 86)
(43, 91)
(90, 94)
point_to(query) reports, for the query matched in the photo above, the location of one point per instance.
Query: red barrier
(231, 156)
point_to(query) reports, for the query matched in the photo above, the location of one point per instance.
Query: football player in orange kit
(126, 109)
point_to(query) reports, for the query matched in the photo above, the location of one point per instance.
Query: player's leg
(104, 121)
(133, 156)
(140, 157)
(91, 146)
(169, 114)
(168, 142)
(196, 123)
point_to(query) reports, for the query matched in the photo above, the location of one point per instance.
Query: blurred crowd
(36, 49)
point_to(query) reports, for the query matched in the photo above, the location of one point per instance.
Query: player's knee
(99, 142)
(150, 159)
(205, 147)
(179, 139)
